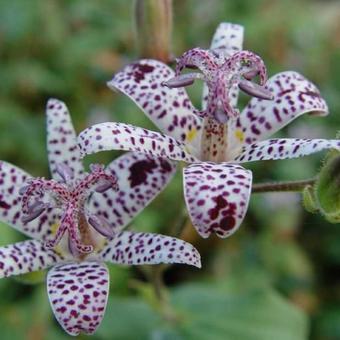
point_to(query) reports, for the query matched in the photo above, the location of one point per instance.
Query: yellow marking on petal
(54, 228)
(239, 135)
(191, 135)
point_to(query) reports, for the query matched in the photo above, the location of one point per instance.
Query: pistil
(70, 197)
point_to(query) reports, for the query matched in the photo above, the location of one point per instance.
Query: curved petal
(25, 257)
(170, 109)
(61, 139)
(228, 39)
(78, 295)
(119, 136)
(285, 148)
(12, 179)
(216, 196)
(294, 96)
(141, 178)
(146, 248)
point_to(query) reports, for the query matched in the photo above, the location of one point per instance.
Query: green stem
(161, 294)
(282, 186)
(157, 282)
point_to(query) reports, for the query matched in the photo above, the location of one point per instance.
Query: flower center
(69, 196)
(223, 76)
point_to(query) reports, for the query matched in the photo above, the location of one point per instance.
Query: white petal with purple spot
(228, 37)
(285, 148)
(146, 248)
(78, 295)
(25, 257)
(294, 96)
(141, 178)
(216, 196)
(119, 136)
(170, 109)
(12, 179)
(61, 139)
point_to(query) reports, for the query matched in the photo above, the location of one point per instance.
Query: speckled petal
(145, 248)
(119, 136)
(61, 139)
(169, 109)
(12, 179)
(228, 39)
(78, 295)
(294, 96)
(216, 196)
(141, 178)
(25, 257)
(285, 148)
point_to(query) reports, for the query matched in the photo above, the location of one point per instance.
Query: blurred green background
(278, 277)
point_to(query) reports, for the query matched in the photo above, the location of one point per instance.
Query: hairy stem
(282, 186)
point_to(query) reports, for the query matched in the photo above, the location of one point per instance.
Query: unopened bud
(327, 188)
(154, 28)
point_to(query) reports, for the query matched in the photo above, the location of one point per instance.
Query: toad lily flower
(216, 188)
(76, 221)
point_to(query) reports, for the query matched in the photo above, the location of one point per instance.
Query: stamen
(70, 198)
(249, 75)
(101, 225)
(23, 189)
(34, 211)
(64, 171)
(182, 80)
(72, 248)
(255, 90)
(103, 187)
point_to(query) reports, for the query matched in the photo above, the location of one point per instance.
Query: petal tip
(110, 84)
(224, 24)
(54, 103)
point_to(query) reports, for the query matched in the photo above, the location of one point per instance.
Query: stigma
(69, 196)
(222, 75)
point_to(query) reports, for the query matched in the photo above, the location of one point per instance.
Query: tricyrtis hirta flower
(216, 188)
(76, 221)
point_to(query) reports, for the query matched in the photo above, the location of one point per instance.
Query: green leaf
(128, 319)
(211, 313)
(208, 312)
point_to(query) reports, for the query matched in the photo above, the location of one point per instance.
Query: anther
(64, 171)
(101, 225)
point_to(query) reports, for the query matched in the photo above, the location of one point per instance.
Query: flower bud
(327, 188)
(154, 28)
